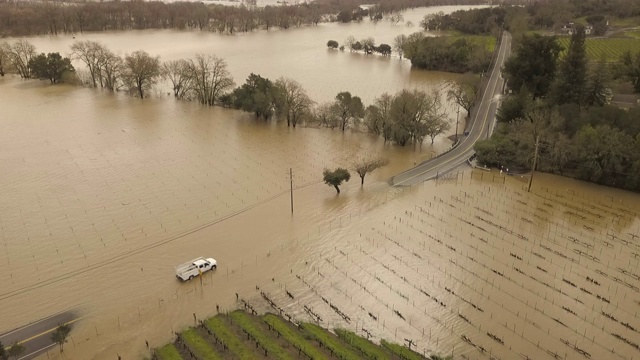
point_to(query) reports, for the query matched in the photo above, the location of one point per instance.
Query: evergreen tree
(533, 64)
(571, 83)
(598, 82)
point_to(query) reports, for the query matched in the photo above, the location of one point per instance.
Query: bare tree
(349, 42)
(465, 92)
(20, 53)
(177, 72)
(418, 114)
(326, 115)
(398, 44)
(365, 165)
(89, 52)
(396, 18)
(5, 60)
(111, 70)
(368, 44)
(292, 101)
(377, 115)
(142, 71)
(211, 78)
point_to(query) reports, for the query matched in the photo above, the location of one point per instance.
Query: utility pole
(457, 118)
(291, 183)
(535, 162)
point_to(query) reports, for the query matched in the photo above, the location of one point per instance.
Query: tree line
(560, 109)
(406, 118)
(533, 15)
(18, 18)
(441, 53)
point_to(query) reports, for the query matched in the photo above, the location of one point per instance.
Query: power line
(103, 263)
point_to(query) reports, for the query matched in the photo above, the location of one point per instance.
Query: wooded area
(19, 18)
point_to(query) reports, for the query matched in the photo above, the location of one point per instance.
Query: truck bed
(188, 265)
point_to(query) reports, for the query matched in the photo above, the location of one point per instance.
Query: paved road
(483, 123)
(36, 337)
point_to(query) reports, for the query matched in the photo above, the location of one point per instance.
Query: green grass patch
(609, 48)
(331, 343)
(488, 41)
(401, 351)
(581, 20)
(633, 21)
(369, 349)
(247, 323)
(294, 338)
(634, 34)
(200, 347)
(222, 331)
(168, 352)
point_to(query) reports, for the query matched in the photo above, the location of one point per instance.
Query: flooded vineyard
(479, 270)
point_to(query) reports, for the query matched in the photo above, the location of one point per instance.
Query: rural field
(608, 48)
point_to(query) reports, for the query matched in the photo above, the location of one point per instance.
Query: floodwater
(298, 53)
(102, 195)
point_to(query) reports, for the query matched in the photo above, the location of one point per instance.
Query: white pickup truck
(195, 267)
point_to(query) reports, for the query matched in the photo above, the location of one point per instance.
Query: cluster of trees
(204, 78)
(533, 15)
(446, 54)
(20, 57)
(474, 21)
(560, 108)
(362, 166)
(19, 18)
(629, 68)
(284, 98)
(407, 117)
(367, 45)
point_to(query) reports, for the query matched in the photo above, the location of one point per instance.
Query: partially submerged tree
(365, 165)
(332, 44)
(291, 100)
(398, 44)
(50, 67)
(20, 53)
(142, 71)
(60, 335)
(256, 95)
(177, 72)
(348, 108)
(5, 61)
(90, 53)
(211, 78)
(16, 350)
(336, 178)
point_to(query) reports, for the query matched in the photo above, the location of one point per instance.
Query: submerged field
(243, 335)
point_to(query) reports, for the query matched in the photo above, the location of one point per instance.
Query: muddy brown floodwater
(102, 195)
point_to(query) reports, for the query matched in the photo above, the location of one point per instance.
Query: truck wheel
(214, 267)
(190, 277)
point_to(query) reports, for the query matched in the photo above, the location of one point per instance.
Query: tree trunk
(362, 179)
(337, 188)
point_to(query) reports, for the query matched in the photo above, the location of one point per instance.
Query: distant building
(571, 28)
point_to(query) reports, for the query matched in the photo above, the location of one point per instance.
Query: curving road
(484, 119)
(36, 337)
